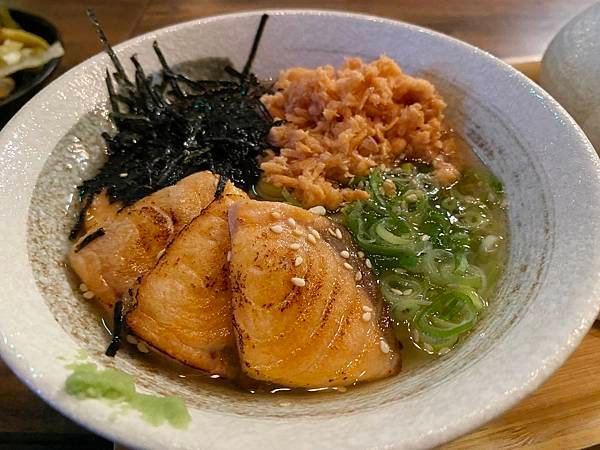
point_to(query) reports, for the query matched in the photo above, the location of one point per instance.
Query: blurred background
(516, 30)
(506, 28)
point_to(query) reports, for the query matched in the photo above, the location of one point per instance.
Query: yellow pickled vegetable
(26, 38)
(6, 20)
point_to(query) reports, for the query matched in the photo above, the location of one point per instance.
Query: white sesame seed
(311, 238)
(160, 254)
(123, 175)
(366, 316)
(291, 221)
(338, 233)
(368, 263)
(300, 282)
(361, 254)
(331, 232)
(275, 215)
(277, 229)
(299, 260)
(297, 232)
(142, 347)
(319, 210)
(345, 254)
(408, 292)
(428, 348)
(83, 287)
(348, 266)
(358, 275)
(316, 234)
(396, 291)
(88, 295)
(295, 246)
(131, 339)
(425, 237)
(342, 389)
(366, 308)
(385, 348)
(443, 351)
(229, 256)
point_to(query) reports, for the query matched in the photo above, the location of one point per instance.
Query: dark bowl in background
(30, 81)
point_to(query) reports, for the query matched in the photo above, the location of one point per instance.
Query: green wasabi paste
(112, 385)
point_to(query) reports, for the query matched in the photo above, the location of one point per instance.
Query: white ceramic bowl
(544, 305)
(571, 70)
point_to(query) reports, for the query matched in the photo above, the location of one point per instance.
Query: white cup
(571, 71)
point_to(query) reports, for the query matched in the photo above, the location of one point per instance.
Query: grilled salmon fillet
(111, 263)
(301, 317)
(184, 304)
(100, 213)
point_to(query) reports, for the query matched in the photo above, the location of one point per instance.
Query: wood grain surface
(563, 413)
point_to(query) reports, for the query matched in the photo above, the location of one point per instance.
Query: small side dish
(297, 233)
(21, 50)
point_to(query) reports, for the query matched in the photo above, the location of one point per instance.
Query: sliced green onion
(451, 204)
(444, 268)
(407, 167)
(461, 263)
(404, 294)
(267, 191)
(450, 314)
(393, 231)
(480, 184)
(404, 262)
(289, 198)
(421, 244)
(412, 205)
(376, 187)
(437, 226)
(428, 184)
(489, 243)
(476, 299)
(473, 219)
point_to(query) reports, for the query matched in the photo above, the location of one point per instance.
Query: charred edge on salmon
(89, 238)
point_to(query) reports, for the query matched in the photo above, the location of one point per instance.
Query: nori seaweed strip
(171, 77)
(259, 32)
(114, 103)
(85, 202)
(89, 238)
(220, 187)
(117, 331)
(120, 75)
(171, 126)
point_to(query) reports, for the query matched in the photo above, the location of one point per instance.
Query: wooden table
(563, 413)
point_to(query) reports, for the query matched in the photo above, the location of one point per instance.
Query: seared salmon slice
(111, 263)
(184, 304)
(301, 314)
(100, 213)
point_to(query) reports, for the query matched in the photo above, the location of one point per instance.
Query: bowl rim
(463, 424)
